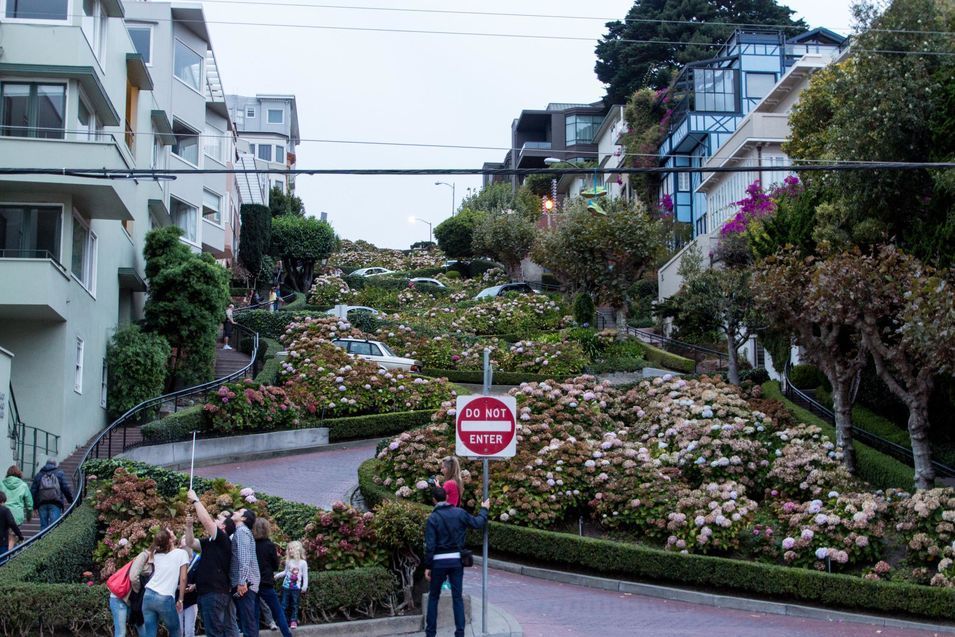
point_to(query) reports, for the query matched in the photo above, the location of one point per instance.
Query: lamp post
(453, 196)
(413, 219)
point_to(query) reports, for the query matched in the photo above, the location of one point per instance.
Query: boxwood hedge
(477, 376)
(633, 561)
(668, 360)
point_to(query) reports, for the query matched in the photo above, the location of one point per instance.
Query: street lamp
(413, 219)
(453, 197)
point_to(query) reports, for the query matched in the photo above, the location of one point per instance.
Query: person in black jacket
(8, 526)
(51, 492)
(444, 536)
(268, 559)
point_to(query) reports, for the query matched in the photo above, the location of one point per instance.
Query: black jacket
(7, 524)
(447, 529)
(64, 485)
(268, 559)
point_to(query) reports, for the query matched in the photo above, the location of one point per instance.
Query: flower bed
(329, 290)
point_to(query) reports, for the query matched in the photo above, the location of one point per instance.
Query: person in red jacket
(451, 481)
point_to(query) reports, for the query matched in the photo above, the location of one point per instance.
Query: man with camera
(445, 557)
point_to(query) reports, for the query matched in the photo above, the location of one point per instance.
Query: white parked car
(426, 281)
(375, 271)
(501, 290)
(377, 352)
(346, 311)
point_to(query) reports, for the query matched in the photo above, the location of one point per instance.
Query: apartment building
(268, 130)
(79, 90)
(609, 154)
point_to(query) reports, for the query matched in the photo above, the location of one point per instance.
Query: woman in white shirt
(160, 603)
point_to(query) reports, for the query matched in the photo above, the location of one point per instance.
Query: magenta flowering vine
(759, 204)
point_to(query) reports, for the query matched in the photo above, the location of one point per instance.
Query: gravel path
(543, 608)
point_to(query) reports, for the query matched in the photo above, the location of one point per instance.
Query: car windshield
(385, 350)
(483, 294)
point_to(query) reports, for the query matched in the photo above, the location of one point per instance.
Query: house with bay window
(267, 127)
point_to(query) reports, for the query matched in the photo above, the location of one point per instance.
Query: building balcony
(213, 238)
(99, 198)
(34, 286)
(756, 129)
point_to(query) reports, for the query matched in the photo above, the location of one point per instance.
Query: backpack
(50, 488)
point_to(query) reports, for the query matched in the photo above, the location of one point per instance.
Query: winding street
(543, 608)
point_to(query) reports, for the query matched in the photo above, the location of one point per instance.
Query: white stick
(192, 464)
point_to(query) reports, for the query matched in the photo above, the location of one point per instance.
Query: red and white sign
(486, 426)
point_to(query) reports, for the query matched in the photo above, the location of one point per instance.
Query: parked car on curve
(425, 281)
(347, 311)
(373, 271)
(377, 352)
(500, 290)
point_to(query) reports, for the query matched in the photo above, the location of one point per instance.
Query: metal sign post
(487, 392)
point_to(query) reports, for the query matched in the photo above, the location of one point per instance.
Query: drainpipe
(759, 164)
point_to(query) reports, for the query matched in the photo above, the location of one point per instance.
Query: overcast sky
(414, 88)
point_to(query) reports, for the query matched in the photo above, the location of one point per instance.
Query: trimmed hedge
(348, 592)
(271, 324)
(174, 427)
(298, 303)
(668, 360)
(477, 377)
(874, 467)
(633, 561)
(60, 557)
(806, 376)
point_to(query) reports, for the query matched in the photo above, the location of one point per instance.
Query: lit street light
(413, 219)
(453, 197)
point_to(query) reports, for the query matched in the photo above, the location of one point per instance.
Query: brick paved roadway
(544, 609)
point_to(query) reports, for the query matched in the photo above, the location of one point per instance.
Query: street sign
(486, 426)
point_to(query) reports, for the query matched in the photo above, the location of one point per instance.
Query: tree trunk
(842, 409)
(620, 317)
(732, 364)
(921, 448)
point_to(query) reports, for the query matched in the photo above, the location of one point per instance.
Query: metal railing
(695, 353)
(33, 445)
(103, 444)
(899, 452)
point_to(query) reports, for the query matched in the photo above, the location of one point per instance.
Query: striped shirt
(245, 564)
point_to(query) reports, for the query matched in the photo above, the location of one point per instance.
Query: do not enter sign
(486, 426)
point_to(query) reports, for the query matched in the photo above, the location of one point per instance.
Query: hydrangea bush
(329, 290)
(250, 406)
(342, 538)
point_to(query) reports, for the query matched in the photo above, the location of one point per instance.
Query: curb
(266, 455)
(711, 599)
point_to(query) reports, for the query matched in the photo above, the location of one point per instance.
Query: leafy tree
(507, 237)
(644, 114)
(602, 254)
(423, 245)
(188, 294)
(300, 242)
(136, 367)
(679, 31)
(584, 309)
(281, 203)
(500, 197)
(455, 234)
(255, 237)
(540, 185)
(879, 105)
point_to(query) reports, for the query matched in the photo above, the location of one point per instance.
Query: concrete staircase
(229, 361)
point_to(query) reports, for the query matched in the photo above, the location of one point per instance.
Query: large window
(715, 90)
(580, 129)
(83, 262)
(279, 154)
(32, 110)
(758, 85)
(214, 143)
(276, 116)
(30, 232)
(187, 218)
(187, 66)
(88, 126)
(265, 152)
(187, 143)
(38, 9)
(142, 37)
(211, 206)
(95, 26)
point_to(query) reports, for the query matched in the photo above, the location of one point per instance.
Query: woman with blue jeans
(120, 608)
(160, 603)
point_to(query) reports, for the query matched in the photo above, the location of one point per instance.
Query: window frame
(104, 385)
(146, 26)
(33, 106)
(100, 30)
(280, 148)
(58, 256)
(94, 128)
(763, 75)
(268, 116)
(215, 137)
(263, 147)
(90, 260)
(212, 218)
(64, 20)
(249, 112)
(202, 58)
(173, 200)
(683, 179)
(196, 134)
(79, 354)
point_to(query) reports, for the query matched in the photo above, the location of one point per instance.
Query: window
(103, 386)
(88, 127)
(78, 367)
(30, 232)
(187, 143)
(142, 37)
(683, 181)
(279, 154)
(38, 9)
(213, 143)
(278, 185)
(158, 152)
(187, 66)
(95, 26)
(580, 129)
(252, 149)
(758, 85)
(32, 110)
(186, 217)
(276, 116)
(83, 262)
(250, 112)
(211, 206)
(374, 350)
(361, 349)
(265, 152)
(132, 109)
(714, 89)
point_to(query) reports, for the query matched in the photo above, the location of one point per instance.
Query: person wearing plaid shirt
(244, 573)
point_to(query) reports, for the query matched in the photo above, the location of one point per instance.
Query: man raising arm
(212, 573)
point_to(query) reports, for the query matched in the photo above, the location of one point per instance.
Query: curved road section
(544, 609)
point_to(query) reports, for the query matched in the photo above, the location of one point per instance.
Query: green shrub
(177, 426)
(244, 407)
(667, 360)
(54, 609)
(806, 376)
(136, 366)
(296, 304)
(453, 274)
(633, 561)
(271, 324)
(269, 373)
(617, 364)
(584, 309)
(874, 467)
(332, 594)
(374, 425)
(477, 376)
(428, 273)
(58, 558)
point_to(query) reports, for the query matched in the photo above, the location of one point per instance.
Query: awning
(163, 127)
(129, 279)
(137, 72)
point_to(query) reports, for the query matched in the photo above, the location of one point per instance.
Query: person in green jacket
(19, 498)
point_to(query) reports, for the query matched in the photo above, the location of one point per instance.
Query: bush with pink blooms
(249, 406)
(342, 539)
(329, 290)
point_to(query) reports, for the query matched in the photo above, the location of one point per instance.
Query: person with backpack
(444, 536)
(51, 492)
